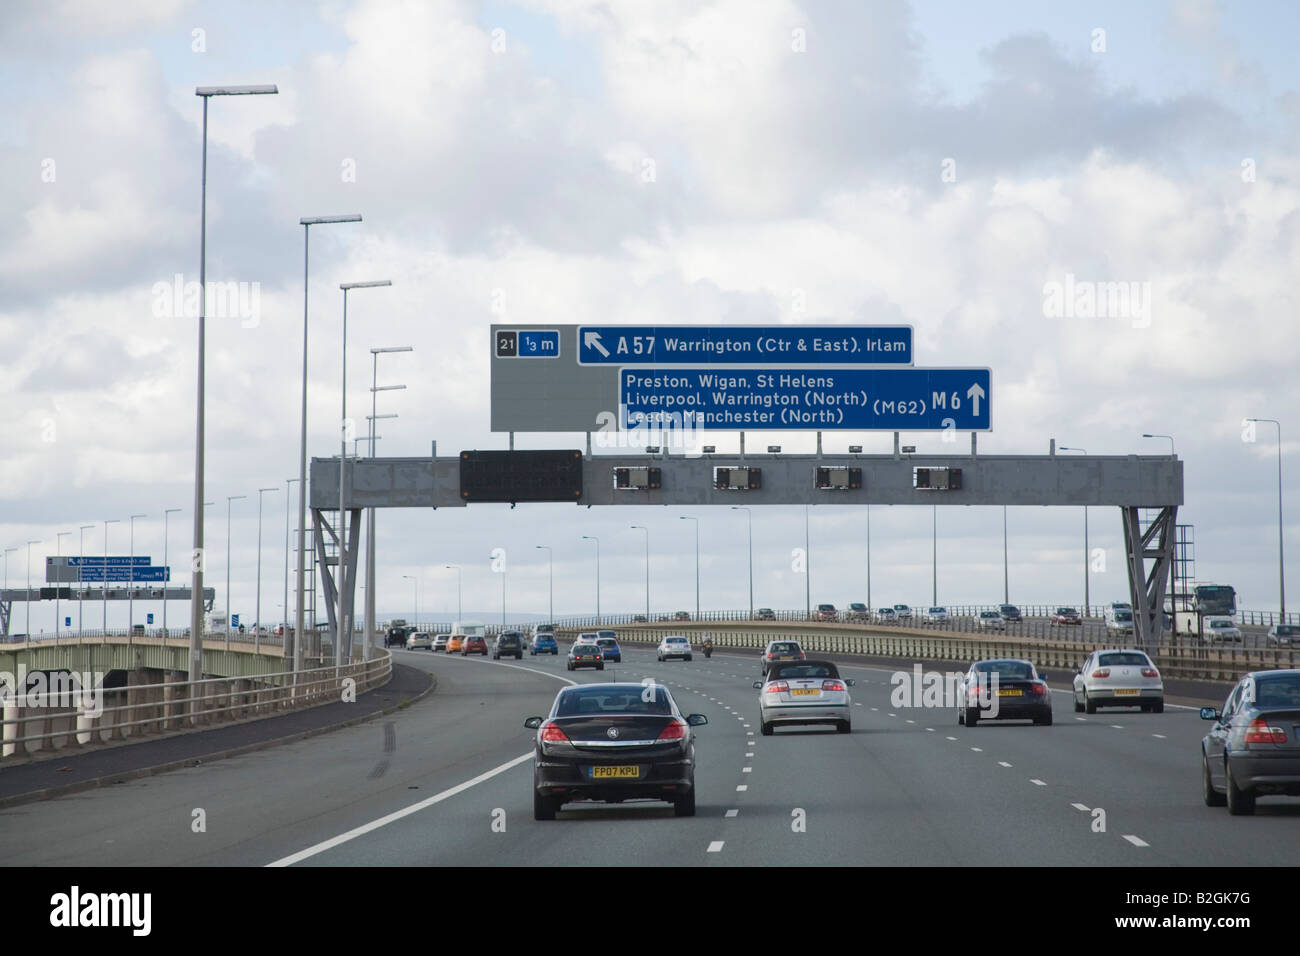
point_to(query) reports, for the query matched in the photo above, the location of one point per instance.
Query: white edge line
(1136, 841)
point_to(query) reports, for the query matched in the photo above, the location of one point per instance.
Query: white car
(1221, 630)
(674, 645)
(991, 621)
(439, 642)
(1118, 678)
(886, 615)
(420, 640)
(1119, 621)
(799, 693)
(937, 615)
(902, 612)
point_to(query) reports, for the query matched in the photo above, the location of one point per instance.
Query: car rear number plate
(804, 692)
(616, 773)
(1011, 693)
(1119, 692)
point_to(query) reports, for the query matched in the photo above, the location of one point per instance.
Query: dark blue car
(543, 644)
(609, 649)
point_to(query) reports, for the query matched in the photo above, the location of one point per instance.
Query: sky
(941, 165)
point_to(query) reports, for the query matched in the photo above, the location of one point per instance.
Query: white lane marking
(952, 738)
(931, 729)
(732, 813)
(875, 708)
(1037, 783)
(747, 770)
(1116, 727)
(856, 704)
(978, 750)
(398, 814)
(893, 715)
(1160, 736)
(1136, 841)
(911, 721)
(1003, 763)
(1081, 718)
(742, 788)
(750, 754)
(746, 724)
(749, 733)
(1081, 807)
(716, 846)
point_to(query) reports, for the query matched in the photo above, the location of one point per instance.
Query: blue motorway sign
(780, 346)
(539, 344)
(90, 561)
(122, 575)
(859, 399)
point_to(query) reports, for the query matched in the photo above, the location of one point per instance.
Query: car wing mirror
(758, 685)
(532, 723)
(849, 681)
(1209, 713)
(697, 720)
(1042, 676)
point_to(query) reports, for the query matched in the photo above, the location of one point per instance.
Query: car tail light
(1260, 732)
(675, 730)
(802, 656)
(770, 655)
(1150, 672)
(1038, 689)
(551, 733)
(1102, 673)
(777, 687)
(832, 685)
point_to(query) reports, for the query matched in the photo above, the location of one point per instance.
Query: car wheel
(1044, 721)
(684, 806)
(1146, 708)
(844, 727)
(1240, 802)
(961, 716)
(688, 657)
(544, 807)
(1158, 707)
(1211, 796)
(1078, 707)
(972, 716)
(569, 664)
(1089, 705)
(766, 728)
(600, 667)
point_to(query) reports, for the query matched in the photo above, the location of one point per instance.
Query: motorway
(447, 781)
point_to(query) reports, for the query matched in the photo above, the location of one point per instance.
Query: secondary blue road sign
(780, 346)
(148, 618)
(872, 399)
(234, 620)
(67, 622)
(539, 344)
(122, 575)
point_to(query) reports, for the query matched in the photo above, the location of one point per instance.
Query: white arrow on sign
(592, 341)
(975, 393)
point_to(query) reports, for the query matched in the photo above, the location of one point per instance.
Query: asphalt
(448, 781)
(69, 771)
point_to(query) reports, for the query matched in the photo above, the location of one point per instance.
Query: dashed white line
(875, 708)
(931, 729)
(1081, 807)
(716, 846)
(911, 721)
(1116, 727)
(1136, 841)
(750, 754)
(1037, 783)
(742, 788)
(952, 738)
(977, 750)
(1003, 763)
(1159, 736)
(732, 813)
(1081, 718)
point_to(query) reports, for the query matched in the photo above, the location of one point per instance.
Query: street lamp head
(235, 90)
(345, 286)
(260, 490)
(396, 348)
(321, 220)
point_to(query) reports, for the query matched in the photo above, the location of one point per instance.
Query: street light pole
(284, 608)
(28, 601)
(370, 512)
(415, 596)
(550, 586)
(868, 557)
(7, 550)
(257, 624)
(749, 521)
(80, 572)
(1087, 595)
(1281, 561)
(592, 537)
(638, 527)
(166, 571)
(197, 558)
(299, 630)
(934, 554)
(807, 567)
(697, 562)
(130, 594)
(1006, 579)
(58, 550)
(229, 603)
(343, 623)
(104, 585)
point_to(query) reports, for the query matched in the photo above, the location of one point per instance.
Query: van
(469, 629)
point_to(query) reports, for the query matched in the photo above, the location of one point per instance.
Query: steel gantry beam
(345, 549)
(1147, 587)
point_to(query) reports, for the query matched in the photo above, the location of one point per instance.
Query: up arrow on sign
(592, 341)
(975, 393)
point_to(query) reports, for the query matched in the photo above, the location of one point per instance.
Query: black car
(396, 636)
(509, 644)
(611, 743)
(766, 614)
(585, 654)
(1004, 690)
(1253, 749)
(1010, 613)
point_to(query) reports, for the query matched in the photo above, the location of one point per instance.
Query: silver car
(1118, 678)
(420, 640)
(1283, 635)
(439, 642)
(991, 621)
(1252, 750)
(1221, 630)
(804, 692)
(674, 645)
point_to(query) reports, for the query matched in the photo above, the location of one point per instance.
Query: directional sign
(780, 346)
(87, 561)
(234, 620)
(148, 618)
(115, 574)
(885, 399)
(67, 622)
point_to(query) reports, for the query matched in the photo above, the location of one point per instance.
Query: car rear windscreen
(1121, 659)
(1278, 691)
(797, 671)
(1006, 670)
(580, 702)
(785, 647)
